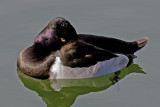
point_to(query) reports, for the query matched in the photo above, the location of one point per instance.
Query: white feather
(58, 71)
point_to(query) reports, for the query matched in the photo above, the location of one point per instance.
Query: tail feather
(141, 42)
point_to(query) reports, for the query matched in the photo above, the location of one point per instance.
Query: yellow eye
(63, 40)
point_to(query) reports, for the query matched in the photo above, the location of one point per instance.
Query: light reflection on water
(63, 93)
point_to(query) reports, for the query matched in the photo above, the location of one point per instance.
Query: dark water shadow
(63, 93)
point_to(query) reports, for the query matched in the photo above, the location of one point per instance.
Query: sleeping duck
(58, 52)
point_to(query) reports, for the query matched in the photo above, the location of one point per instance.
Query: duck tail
(141, 43)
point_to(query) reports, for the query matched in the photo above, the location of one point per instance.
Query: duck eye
(63, 40)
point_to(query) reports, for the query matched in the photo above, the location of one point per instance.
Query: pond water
(21, 21)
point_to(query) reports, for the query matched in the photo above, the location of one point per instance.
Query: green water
(63, 93)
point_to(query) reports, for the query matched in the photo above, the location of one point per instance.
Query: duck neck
(42, 52)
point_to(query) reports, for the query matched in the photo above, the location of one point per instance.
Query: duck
(58, 52)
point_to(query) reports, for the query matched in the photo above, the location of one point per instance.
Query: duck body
(33, 65)
(74, 62)
(58, 52)
(112, 44)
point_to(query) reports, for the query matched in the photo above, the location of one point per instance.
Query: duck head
(56, 34)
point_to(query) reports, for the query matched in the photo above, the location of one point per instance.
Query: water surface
(63, 92)
(21, 21)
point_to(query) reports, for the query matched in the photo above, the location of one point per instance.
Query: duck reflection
(62, 93)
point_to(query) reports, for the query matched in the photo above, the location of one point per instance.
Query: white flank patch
(56, 67)
(58, 71)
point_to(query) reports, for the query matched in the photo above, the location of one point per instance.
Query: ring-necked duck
(59, 52)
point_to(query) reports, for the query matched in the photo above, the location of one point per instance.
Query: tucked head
(57, 33)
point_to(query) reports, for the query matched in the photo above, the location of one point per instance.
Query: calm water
(21, 21)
